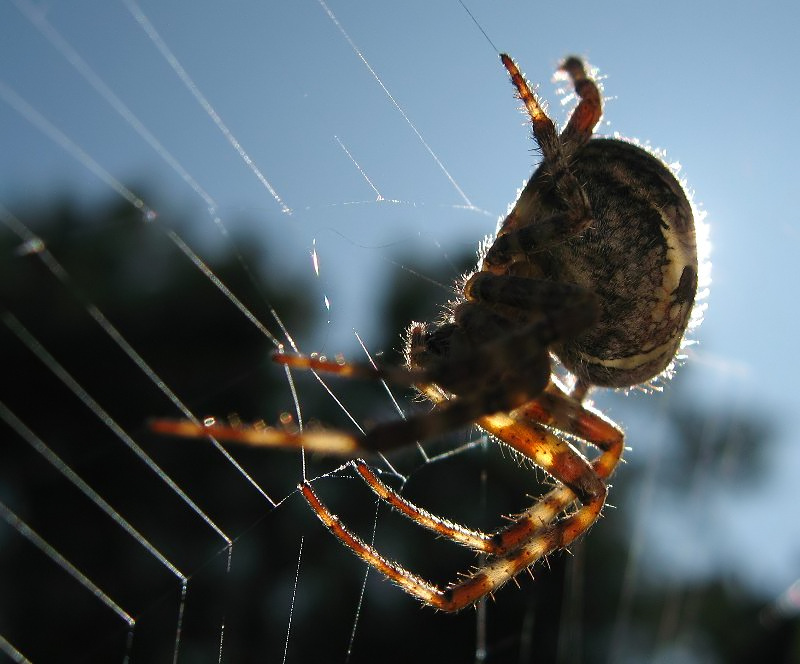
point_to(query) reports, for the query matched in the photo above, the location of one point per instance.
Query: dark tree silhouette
(218, 363)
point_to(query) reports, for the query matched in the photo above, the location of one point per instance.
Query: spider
(595, 265)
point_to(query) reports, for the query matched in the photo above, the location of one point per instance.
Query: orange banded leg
(543, 128)
(533, 533)
(488, 578)
(589, 110)
(452, 413)
(556, 409)
(540, 514)
(561, 461)
(553, 407)
(571, 417)
(409, 582)
(328, 441)
(453, 531)
(338, 367)
(580, 480)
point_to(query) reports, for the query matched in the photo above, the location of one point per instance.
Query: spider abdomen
(638, 255)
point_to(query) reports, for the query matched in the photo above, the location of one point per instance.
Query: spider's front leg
(327, 441)
(528, 342)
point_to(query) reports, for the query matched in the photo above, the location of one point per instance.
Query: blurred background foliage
(586, 607)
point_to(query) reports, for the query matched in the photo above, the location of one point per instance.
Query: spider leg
(449, 414)
(544, 131)
(583, 119)
(501, 393)
(517, 239)
(523, 241)
(338, 367)
(509, 354)
(409, 582)
(515, 367)
(523, 431)
(589, 110)
(543, 512)
(556, 409)
(517, 236)
(553, 408)
(455, 532)
(491, 576)
(328, 441)
(533, 533)
(526, 295)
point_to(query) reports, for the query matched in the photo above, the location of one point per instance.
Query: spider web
(165, 295)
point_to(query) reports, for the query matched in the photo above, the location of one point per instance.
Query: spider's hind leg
(554, 408)
(523, 430)
(589, 110)
(535, 533)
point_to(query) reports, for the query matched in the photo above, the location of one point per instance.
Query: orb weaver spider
(595, 264)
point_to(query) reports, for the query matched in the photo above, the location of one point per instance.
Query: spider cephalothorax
(595, 263)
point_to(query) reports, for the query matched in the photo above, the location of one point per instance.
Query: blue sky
(712, 83)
